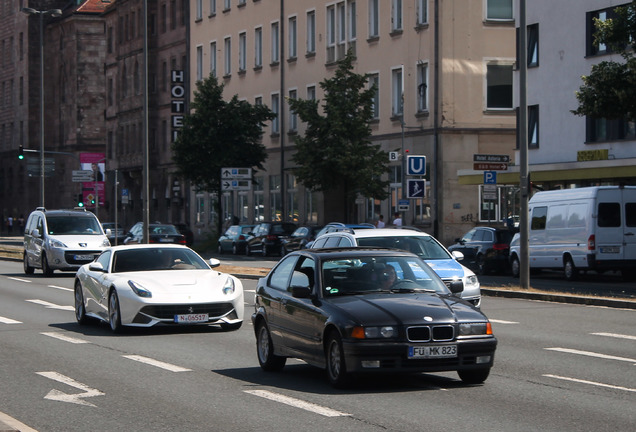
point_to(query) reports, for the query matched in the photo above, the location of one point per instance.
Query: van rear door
(609, 225)
(629, 228)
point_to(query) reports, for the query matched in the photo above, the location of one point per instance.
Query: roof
(385, 232)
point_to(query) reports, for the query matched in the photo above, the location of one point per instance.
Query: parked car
(485, 249)
(299, 239)
(187, 232)
(234, 239)
(117, 233)
(149, 285)
(368, 310)
(61, 240)
(424, 245)
(157, 233)
(265, 238)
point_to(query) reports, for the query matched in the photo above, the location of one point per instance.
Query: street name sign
(491, 158)
(83, 176)
(489, 166)
(236, 173)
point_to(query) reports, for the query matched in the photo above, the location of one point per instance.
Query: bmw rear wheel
(114, 316)
(265, 350)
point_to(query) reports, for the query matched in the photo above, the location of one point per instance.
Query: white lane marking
(51, 305)
(615, 335)
(503, 322)
(592, 354)
(64, 338)
(19, 279)
(72, 398)
(10, 421)
(591, 383)
(4, 320)
(60, 288)
(297, 403)
(157, 363)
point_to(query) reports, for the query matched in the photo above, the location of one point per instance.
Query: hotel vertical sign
(177, 91)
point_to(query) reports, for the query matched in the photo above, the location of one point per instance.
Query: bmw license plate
(191, 318)
(433, 351)
(84, 257)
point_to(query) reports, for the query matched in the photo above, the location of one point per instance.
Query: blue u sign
(416, 165)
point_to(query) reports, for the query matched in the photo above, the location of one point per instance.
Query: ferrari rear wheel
(80, 307)
(265, 350)
(114, 316)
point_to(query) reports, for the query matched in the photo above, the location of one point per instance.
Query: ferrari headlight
(475, 329)
(139, 289)
(386, 332)
(228, 287)
(57, 244)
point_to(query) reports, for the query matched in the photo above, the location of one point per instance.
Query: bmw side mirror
(300, 291)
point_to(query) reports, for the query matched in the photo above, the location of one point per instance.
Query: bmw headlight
(385, 332)
(475, 329)
(228, 287)
(57, 244)
(139, 289)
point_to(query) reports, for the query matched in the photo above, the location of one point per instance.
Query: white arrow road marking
(591, 383)
(9, 321)
(52, 305)
(64, 338)
(616, 335)
(308, 406)
(157, 363)
(19, 279)
(592, 354)
(72, 398)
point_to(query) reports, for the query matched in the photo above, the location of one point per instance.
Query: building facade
(443, 71)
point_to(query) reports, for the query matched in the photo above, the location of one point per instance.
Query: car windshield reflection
(150, 259)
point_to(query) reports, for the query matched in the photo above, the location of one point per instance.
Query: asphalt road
(559, 367)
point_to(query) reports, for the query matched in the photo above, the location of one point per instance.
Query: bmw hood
(409, 309)
(446, 268)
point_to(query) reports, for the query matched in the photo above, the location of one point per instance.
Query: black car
(266, 236)
(117, 233)
(485, 249)
(299, 239)
(364, 310)
(157, 233)
(187, 232)
(234, 239)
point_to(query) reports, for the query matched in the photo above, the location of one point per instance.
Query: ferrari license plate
(433, 351)
(84, 257)
(190, 318)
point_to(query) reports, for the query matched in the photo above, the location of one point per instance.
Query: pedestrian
(21, 223)
(10, 225)
(380, 222)
(397, 221)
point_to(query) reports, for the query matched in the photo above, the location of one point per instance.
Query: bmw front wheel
(336, 367)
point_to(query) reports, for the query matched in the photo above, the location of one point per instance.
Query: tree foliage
(335, 152)
(218, 133)
(610, 89)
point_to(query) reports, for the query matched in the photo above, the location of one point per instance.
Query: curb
(561, 298)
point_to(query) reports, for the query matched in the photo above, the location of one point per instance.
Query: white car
(424, 245)
(147, 285)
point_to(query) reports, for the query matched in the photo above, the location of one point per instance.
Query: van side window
(576, 215)
(539, 215)
(609, 215)
(630, 214)
(556, 216)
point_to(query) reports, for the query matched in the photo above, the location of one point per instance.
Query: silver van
(61, 240)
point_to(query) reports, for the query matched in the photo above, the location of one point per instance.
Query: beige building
(444, 75)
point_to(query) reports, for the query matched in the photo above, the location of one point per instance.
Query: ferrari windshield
(149, 259)
(369, 274)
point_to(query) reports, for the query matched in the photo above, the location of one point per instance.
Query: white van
(591, 228)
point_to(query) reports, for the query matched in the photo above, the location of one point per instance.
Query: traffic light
(21, 152)
(80, 200)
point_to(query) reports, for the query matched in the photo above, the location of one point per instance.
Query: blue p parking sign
(490, 177)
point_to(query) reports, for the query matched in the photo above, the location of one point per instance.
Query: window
(374, 80)
(331, 34)
(374, 22)
(422, 12)
(396, 15)
(258, 47)
(293, 117)
(212, 7)
(311, 92)
(422, 87)
(336, 32)
(602, 129)
(213, 58)
(293, 46)
(275, 110)
(311, 32)
(242, 52)
(228, 56)
(539, 216)
(199, 63)
(397, 89)
(226, 5)
(173, 16)
(609, 215)
(499, 86)
(592, 47)
(351, 25)
(275, 43)
(198, 14)
(533, 45)
(533, 126)
(499, 10)
(275, 205)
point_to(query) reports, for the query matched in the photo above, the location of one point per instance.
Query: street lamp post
(54, 13)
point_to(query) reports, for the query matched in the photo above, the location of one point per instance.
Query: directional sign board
(416, 165)
(403, 205)
(83, 176)
(236, 173)
(491, 158)
(416, 188)
(489, 166)
(239, 185)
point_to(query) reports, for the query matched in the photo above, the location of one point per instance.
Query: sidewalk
(11, 249)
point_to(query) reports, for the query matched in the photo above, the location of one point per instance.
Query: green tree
(216, 134)
(335, 155)
(610, 89)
